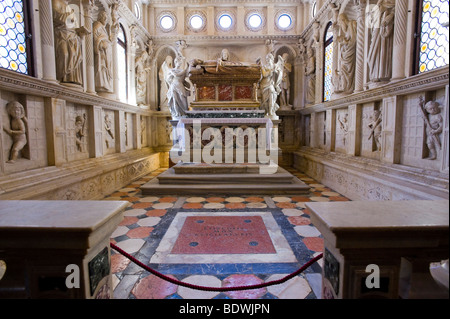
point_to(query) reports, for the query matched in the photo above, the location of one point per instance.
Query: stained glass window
(122, 64)
(434, 48)
(13, 46)
(328, 64)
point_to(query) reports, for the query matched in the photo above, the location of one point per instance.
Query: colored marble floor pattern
(148, 219)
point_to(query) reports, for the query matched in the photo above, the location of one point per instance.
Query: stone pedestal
(382, 249)
(57, 249)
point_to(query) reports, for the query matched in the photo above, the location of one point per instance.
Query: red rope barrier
(217, 289)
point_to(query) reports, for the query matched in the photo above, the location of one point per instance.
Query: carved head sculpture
(432, 107)
(169, 61)
(103, 17)
(15, 110)
(225, 55)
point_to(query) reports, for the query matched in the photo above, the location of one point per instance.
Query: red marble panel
(224, 235)
(206, 93)
(225, 93)
(243, 93)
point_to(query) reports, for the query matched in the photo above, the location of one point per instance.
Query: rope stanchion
(216, 289)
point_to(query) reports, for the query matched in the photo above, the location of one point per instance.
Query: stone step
(155, 188)
(170, 183)
(170, 177)
(204, 168)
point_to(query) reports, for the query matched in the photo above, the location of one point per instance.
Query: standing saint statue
(67, 43)
(285, 93)
(142, 68)
(179, 90)
(103, 55)
(18, 130)
(344, 78)
(310, 72)
(271, 76)
(163, 80)
(381, 46)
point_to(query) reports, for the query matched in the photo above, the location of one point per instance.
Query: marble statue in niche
(18, 129)
(271, 77)
(142, 68)
(375, 130)
(109, 130)
(179, 90)
(343, 126)
(381, 23)
(80, 126)
(103, 54)
(285, 93)
(67, 43)
(344, 78)
(434, 123)
(163, 79)
(310, 73)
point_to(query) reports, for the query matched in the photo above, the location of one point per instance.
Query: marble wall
(387, 137)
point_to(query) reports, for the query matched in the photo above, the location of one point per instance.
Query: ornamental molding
(22, 84)
(431, 80)
(210, 39)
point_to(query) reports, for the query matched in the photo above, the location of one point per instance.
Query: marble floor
(165, 232)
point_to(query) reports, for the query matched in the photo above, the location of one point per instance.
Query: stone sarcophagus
(222, 84)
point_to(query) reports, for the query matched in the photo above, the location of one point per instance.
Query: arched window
(328, 63)
(432, 49)
(15, 37)
(122, 64)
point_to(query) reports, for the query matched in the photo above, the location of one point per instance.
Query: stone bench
(57, 249)
(396, 240)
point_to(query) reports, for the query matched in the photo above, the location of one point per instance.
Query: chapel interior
(97, 98)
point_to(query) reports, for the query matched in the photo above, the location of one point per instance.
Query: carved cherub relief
(375, 130)
(431, 114)
(343, 125)
(80, 125)
(17, 130)
(108, 129)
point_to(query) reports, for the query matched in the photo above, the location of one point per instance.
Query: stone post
(47, 40)
(399, 50)
(88, 7)
(359, 68)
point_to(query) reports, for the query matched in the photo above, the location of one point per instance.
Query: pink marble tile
(224, 235)
(244, 280)
(152, 287)
(140, 232)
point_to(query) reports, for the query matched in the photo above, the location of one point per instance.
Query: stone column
(399, 50)
(88, 7)
(47, 40)
(359, 68)
(319, 62)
